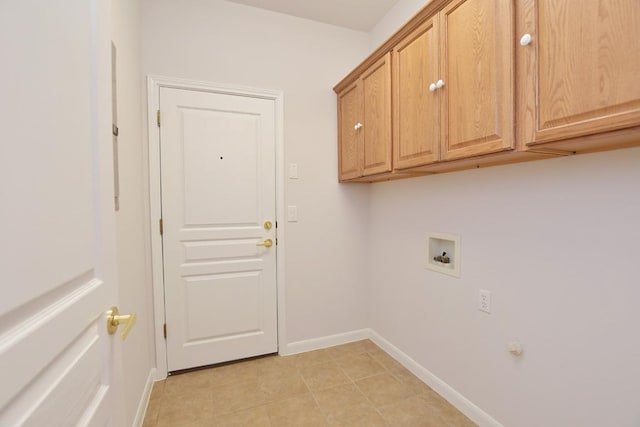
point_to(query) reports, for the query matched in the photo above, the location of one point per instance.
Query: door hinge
(161, 226)
(158, 118)
(276, 241)
(164, 330)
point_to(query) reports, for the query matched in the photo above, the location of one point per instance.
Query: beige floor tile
(427, 409)
(150, 420)
(450, 415)
(383, 389)
(230, 374)
(369, 346)
(434, 399)
(153, 407)
(188, 382)
(412, 412)
(254, 417)
(339, 398)
(363, 415)
(158, 389)
(350, 349)
(275, 365)
(385, 360)
(311, 358)
(235, 397)
(355, 384)
(345, 405)
(410, 380)
(325, 375)
(359, 366)
(281, 385)
(185, 409)
(296, 412)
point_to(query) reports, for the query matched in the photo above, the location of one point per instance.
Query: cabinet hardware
(525, 40)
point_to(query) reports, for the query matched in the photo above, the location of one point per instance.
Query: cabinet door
(477, 77)
(376, 115)
(416, 110)
(581, 68)
(349, 163)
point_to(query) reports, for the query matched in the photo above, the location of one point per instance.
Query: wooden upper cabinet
(580, 68)
(416, 110)
(364, 123)
(477, 39)
(349, 154)
(453, 85)
(486, 82)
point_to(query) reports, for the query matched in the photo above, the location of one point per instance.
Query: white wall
(134, 290)
(224, 42)
(557, 242)
(400, 13)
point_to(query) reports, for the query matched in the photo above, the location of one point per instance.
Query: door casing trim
(154, 83)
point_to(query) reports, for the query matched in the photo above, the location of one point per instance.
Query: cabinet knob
(439, 84)
(358, 126)
(432, 87)
(526, 39)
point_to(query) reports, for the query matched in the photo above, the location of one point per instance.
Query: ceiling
(359, 15)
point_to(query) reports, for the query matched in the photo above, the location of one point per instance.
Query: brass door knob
(267, 243)
(115, 319)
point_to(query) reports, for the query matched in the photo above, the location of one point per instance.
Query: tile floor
(355, 384)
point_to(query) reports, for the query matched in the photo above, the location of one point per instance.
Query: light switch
(293, 171)
(292, 213)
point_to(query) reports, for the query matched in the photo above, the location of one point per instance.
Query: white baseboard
(144, 399)
(463, 404)
(324, 342)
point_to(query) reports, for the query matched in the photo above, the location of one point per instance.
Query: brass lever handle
(267, 243)
(115, 319)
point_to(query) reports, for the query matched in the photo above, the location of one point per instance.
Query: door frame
(154, 83)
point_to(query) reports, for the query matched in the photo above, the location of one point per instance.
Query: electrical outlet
(484, 301)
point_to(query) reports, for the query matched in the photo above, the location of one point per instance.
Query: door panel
(416, 137)
(220, 293)
(57, 219)
(477, 39)
(586, 61)
(218, 188)
(211, 159)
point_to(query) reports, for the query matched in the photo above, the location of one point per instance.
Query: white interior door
(56, 218)
(218, 191)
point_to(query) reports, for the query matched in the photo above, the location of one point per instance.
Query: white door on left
(57, 253)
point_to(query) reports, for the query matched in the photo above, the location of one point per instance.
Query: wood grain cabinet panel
(453, 88)
(416, 110)
(485, 82)
(581, 68)
(376, 116)
(477, 72)
(349, 164)
(364, 123)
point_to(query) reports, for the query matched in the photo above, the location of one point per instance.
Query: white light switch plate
(292, 213)
(293, 171)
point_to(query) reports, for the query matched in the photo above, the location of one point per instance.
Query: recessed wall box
(443, 253)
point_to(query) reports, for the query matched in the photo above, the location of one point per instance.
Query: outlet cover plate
(484, 301)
